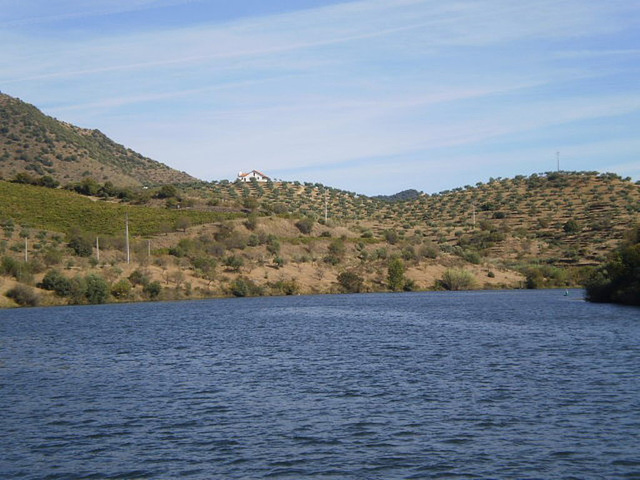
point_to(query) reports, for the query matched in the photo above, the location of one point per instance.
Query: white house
(246, 177)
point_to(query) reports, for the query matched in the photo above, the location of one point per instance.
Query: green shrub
(285, 287)
(618, 280)
(81, 245)
(121, 289)
(305, 225)
(138, 278)
(24, 296)
(350, 282)
(395, 275)
(97, 290)
(244, 287)
(457, 279)
(21, 271)
(251, 222)
(571, 226)
(234, 263)
(152, 289)
(391, 236)
(57, 282)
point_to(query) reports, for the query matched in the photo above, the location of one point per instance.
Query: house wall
(247, 177)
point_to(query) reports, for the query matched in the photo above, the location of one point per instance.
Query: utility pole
(473, 215)
(149, 248)
(326, 208)
(126, 234)
(26, 249)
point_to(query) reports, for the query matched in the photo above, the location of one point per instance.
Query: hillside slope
(35, 143)
(545, 230)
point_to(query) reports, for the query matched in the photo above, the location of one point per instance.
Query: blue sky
(371, 96)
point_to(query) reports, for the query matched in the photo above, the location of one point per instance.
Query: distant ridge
(34, 143)
(402, 196)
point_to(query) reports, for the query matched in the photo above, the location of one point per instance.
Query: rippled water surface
(525, 384)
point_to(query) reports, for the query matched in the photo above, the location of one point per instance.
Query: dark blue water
(523, 384)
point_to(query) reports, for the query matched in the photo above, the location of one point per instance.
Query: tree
(24, 296)
(305, 225)
(97, 289)
(244, 287)
(395, 275)
(121, 289)
(152, 289)
(391, 236)
(351, 282)
(618, 280)
(234, 263)
(457, 279)
(571, 226)
(183, 223)
(167, 191)
(81, 245)
(57, 282)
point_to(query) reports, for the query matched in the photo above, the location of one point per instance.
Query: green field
(62, 211)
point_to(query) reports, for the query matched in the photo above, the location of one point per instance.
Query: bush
(251, 222)
(395, 275)
(618, 281)
(429, 250)
(244, 287)
(167, 191)
(285, 287)
(457, 279)
(350, 282)
(391, 236)
(97, 289)
(571, 227)
(10, 266)
(152, 290)
(24, 296)
(121, 289)
(234, 263)
(305, 225)
(81, 245)
(138, 278)
(57, 282)
(21, 271)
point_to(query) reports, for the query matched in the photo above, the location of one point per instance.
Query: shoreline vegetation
(63, 246)
(618, 280)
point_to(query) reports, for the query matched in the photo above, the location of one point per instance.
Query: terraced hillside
(567, 217)
(538, 231)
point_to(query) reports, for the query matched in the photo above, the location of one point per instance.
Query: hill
(32, 142)
(545, 230)
(403, 196)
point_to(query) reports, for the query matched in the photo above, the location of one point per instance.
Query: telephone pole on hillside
(126, 235)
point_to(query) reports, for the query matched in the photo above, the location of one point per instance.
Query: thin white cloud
(324, 87)
(32, 12)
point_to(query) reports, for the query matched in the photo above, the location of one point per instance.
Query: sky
(370, 96)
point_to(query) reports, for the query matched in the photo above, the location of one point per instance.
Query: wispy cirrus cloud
(32, 12)
(316, 90)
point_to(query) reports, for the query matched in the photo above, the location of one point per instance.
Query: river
(452, 385)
